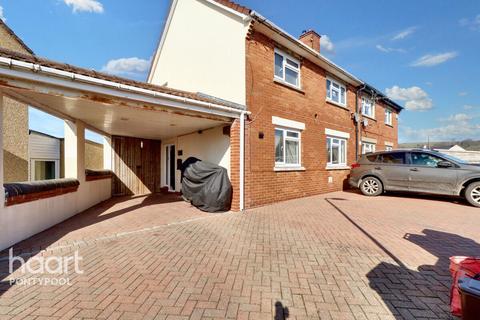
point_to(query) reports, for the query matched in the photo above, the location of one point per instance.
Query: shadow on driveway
(421, 293)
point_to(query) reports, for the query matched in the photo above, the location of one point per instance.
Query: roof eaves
(14, 55)
(273, 26)
(384, 97)
(258, 17)
(234, 6)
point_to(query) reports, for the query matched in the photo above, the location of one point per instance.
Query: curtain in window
(291, 152)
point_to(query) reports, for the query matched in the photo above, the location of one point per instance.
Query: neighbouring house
(46, 156)
(308, 118)
(15, 119)
(461, 153)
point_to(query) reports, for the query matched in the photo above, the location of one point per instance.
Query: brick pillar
(75, 150)
(235, 163)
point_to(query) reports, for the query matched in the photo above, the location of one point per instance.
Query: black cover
(206, 185)
(24, 188)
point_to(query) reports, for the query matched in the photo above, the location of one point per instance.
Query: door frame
(168, 163)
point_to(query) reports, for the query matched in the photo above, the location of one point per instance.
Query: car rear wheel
(371, 187)
(472, 194)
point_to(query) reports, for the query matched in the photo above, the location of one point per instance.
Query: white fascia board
(336, 133)
(288, 123)
(369, 140)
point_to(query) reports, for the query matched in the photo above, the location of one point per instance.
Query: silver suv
(421, 171)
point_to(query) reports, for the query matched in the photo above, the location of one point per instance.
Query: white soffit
(288, 123)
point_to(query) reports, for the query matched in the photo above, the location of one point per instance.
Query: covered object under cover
(206, 185)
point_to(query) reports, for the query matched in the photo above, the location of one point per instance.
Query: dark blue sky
(423, 53)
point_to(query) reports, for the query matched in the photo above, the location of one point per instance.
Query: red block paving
(337, 256)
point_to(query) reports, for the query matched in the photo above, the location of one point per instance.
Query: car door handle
(378, 168)
(414, 169)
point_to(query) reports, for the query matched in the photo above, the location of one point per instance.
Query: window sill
(389, 125)
(288, 85)
(279, 169)
(337, 168)
(336, 104)
(368, 117)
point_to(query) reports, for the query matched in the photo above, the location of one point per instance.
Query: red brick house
(309, 118)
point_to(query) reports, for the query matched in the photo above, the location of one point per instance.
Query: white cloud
(473, 24)
(404, 33)
(463, 93)
(470, 107)
(2, 15)
(416, 99)
(326, 44)
(85, 5)
(460, 127)
(127, 66)
(431, 60)
(460, 117)
(388, 49)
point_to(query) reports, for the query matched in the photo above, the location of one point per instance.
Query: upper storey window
(368, 109)
(336, 92)
(388, 117)
(287, 68)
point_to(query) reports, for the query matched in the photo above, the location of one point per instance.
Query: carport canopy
(107, 104)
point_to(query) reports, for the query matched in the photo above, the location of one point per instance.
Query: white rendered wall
(203, 51)
(211, 145)
(24, 220)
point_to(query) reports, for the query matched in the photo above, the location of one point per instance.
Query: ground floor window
(368, 147)
(336, 152)
(287, 147)
(45, 169)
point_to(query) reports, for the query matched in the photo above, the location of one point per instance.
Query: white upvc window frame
(285, 137)
(343, 147)
(32, 167)
(388, 116)
(371, 103)
(371, 146)
(388, 148)
(332, 87)
(285, 65)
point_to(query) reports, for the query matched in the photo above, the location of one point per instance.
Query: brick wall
(266, 98)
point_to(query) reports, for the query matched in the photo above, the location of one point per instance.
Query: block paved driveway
(335, 256)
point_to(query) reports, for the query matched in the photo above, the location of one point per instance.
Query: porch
(148, 131)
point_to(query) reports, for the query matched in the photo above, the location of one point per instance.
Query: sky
(423, 54)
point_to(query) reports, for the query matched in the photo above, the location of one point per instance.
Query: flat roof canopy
(118, 117)
(110, 107)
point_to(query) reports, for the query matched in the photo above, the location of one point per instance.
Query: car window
(393, 158)
(372, 158)
(425, 159)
